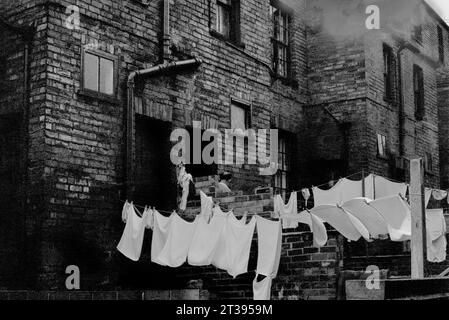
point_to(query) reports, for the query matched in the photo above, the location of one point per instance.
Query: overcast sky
(442, 7)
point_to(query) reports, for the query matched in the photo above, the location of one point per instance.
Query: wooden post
(363, 184)
(417, 202)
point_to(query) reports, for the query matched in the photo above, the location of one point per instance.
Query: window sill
(98, 96)
(287, 81)
(221, 37)
(381, 157)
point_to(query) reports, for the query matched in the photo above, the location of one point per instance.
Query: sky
(441, 7)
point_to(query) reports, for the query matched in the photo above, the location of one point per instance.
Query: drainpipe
(401, 101)
(166, 37)
(130, 127)
(403, 45)
(165, 67)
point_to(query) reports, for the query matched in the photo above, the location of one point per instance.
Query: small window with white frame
(99, 74)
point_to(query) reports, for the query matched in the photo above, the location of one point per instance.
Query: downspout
(160, 69)
(401, 104)
(402, 47)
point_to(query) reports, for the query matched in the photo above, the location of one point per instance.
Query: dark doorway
(156, 187)
(11, 217)
(155, 174)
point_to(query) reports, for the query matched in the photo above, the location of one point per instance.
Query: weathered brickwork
(71, 179)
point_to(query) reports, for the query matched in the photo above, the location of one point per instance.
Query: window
(381, 146)
(281, 40)
(418, 88)
(99, 74)
(389, 72)
(417, 33)
(281, 180)
(240, 116)
(428, 162)
(228, 19)
(440, 44)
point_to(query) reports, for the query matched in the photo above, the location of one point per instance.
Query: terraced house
(91, 91)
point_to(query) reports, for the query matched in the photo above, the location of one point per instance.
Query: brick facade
(72, 175)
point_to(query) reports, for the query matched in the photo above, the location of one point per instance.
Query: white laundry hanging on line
(269, 236)
(284, 211)
(344, 190)
(371, 219)
(207, 204)
(439, 195)
(180, 234)
(306, 195)
(316, 226)
(130, 244)
(331, 197)
(184, 180)
(377, 187)
(344, 222)
(262, 289)
(396, 213)
(428, 195)
(234, 245)
(436, 236)
(160, 235)
(205, 239)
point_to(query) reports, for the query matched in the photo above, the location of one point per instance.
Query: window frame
(418, 33)
(98, 94)
(389, 73)
(283, 12)
(428, 162)
(233, 8)
(248, 113)
(418, 92)
(286, 158)
(382, 140)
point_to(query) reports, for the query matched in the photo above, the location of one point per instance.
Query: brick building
(87, 111)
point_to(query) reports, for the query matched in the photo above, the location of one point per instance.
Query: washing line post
(363, 184)
(417, 202)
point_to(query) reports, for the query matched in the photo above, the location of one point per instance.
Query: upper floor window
(228, 19)
(282, 19)
(440, 44)
(283, 176)
(240, 116)
(418, 88)
(389, 72)
(99, 74)
(417, 33)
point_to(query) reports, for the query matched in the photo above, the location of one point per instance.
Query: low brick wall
(191, 294)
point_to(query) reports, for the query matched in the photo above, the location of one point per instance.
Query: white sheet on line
(371, 219)
(344, 222)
